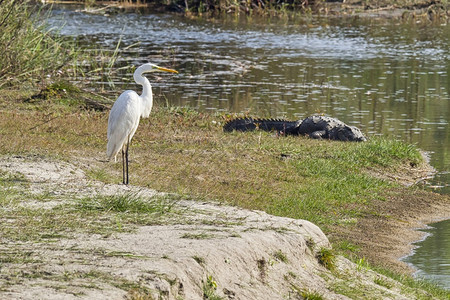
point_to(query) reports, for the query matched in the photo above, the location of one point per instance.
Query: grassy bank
(182, 151)
(186, 152)
(335, 185)
(406, 9)
(100, 233)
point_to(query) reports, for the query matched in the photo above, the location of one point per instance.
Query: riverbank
(97, 240)
(390, 9)
(387, 235)
(364, 213)
(406, 9)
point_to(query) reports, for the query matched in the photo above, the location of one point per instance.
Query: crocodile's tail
(249, 124)
(240, 124)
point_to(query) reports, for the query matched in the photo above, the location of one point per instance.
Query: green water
(387, 77)
(431, 258)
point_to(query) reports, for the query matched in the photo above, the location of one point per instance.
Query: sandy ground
(236, 253)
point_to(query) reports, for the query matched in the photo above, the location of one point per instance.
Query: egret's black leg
(126, 158)
(123, 166)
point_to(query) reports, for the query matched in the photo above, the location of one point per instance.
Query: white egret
(126, 113)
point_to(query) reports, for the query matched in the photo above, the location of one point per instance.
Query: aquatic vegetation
(237, 7)
(35, 53)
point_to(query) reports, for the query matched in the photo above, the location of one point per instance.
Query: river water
(387, 77)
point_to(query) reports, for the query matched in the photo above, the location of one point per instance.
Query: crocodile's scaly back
(249, 124)
(323, 127)
(317, 127)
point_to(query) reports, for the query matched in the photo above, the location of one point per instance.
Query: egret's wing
(123, 121)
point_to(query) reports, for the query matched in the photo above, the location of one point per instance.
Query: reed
(265, 7)
(261, 7)
(30, 50)
(34, 53)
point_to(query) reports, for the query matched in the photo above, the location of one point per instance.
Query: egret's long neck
(147, 94)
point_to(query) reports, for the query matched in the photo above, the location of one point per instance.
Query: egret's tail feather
(111, 151)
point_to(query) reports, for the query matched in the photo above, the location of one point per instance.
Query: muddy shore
(388, 9)
(409, 9)
(387, 235)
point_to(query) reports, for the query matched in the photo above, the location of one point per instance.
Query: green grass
(356, 291)
(88, 279)
(31, 224)
(30, 51)
(280, 256)
(343, 283)
(99, 174)
(8, 179)
(99, 214)
(346, 247)
(209, 289)
(17, 257)
(123, 211)
(327, 258)
(306, 294)
(311, 295)
(383, 282)
(129, 203)
(421, 289)
(385, 152)
(198, 236)
(362, 263)
(200, 260)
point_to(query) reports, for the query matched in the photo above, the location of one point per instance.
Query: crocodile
(317, 127)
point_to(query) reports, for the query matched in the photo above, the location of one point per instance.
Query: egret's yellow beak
(166, 70)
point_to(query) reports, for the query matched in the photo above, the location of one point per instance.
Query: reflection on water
(431, 257)
(387, 77)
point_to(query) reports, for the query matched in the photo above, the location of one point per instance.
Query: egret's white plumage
(126, 113)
